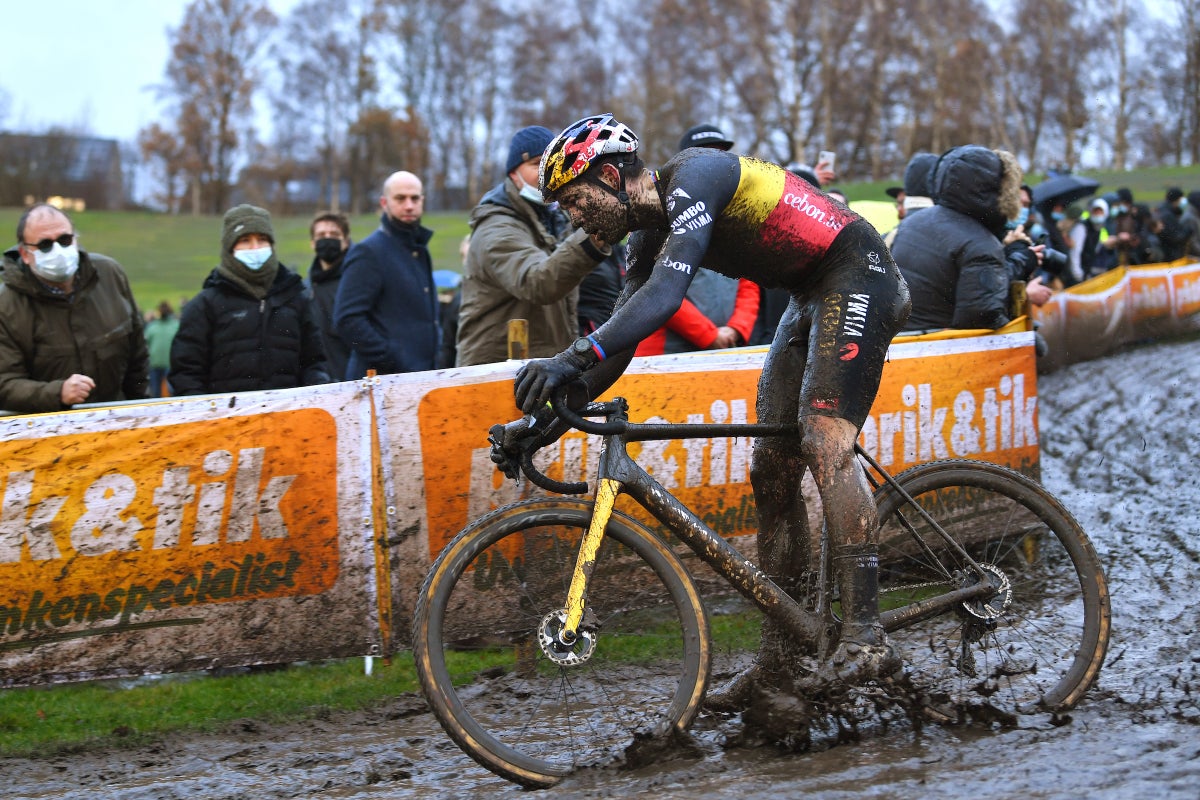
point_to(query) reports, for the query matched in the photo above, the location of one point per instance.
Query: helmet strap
(619, 193)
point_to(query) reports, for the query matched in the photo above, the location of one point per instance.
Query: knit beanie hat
(239, 221)
(527, 143)
(244, 219)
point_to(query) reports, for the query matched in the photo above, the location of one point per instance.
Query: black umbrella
(1065, 189)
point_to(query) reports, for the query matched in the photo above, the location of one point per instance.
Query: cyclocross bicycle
(551, 632)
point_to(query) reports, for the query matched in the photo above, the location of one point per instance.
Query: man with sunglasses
(70, 331)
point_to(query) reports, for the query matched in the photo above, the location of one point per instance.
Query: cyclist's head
(582, 147)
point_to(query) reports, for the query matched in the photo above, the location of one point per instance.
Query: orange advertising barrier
(969, 397)
(291, 525)
(1121, 306)
(161, 537)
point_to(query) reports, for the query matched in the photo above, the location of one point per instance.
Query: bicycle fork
(607, 490)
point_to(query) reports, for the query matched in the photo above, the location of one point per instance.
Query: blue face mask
(254, 259)
(1057, 216)
(1022, 218)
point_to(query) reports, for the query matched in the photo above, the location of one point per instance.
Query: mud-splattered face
(595, 210)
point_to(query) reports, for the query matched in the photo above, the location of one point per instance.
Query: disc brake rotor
(556, 650)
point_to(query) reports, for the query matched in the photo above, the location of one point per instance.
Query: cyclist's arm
(700, 194)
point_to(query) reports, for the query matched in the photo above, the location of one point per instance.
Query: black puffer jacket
(950, 254)
(229, 341)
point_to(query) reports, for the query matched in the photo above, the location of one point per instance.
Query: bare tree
(162, 150)
(325, 86)
(210, 79)
(1189, 109)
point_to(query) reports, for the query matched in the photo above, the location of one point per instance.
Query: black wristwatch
(586, 349)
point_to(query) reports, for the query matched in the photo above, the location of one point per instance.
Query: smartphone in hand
(827, 157)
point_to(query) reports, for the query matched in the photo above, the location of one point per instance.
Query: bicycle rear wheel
(502, 697)
(1037, 642)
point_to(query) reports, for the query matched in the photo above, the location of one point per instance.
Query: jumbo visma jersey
(736, 215)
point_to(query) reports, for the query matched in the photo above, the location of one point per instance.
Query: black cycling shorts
(829, 349)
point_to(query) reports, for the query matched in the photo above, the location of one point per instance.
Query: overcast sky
(93, 62)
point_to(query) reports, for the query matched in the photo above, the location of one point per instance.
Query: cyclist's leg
(860, 303)
(784, 540)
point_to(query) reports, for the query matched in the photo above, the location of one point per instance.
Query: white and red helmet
(580, 145)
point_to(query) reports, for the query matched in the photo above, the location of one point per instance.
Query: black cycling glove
(537, 381)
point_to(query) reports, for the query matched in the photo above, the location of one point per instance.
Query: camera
(1053, 260)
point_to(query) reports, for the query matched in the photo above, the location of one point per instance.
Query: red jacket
(691, 324)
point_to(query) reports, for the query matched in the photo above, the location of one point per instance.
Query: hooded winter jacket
(951, 254)
(229, 341)
(518, 269)
(46, 338)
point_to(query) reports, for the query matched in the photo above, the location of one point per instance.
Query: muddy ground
(1120, 442)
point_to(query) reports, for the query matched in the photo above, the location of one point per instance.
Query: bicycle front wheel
(1038, 641)
(518, 706)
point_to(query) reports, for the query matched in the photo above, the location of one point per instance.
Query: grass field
(46, 720)
(168, 257)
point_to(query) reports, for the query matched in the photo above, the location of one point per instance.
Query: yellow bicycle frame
(606, 498)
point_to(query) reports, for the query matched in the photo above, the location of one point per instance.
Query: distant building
(79, 172)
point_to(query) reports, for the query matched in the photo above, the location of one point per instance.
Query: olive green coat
(517, 269)
(45, 337)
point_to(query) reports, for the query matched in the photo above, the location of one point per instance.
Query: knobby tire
(986, 660)
(496, 692)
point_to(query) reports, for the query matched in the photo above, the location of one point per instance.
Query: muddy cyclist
(747, 218)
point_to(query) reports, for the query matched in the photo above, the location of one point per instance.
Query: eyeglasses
(45, 245)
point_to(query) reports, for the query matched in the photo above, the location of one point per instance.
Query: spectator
(705, 135)
(329, 233)
(1125, 235)
(1191, 218)
(1149, 227)
(897, 195)
(1025, 260)
(524, 263)
(1094, 234)
(160, 332)
(916, 192)
(1174, 234)
(598, 292)
(252, 326)
(1074, 235)
(711, 297)
(387, 307)
(717, 312)
(951, 254)
(70, 330)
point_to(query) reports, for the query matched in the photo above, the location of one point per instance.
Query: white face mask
(254, 259)
(532, 193)
(58, 265)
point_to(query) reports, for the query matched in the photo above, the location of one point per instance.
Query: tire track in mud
(1120, 438)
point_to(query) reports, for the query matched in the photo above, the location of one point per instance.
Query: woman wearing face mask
(252, 326)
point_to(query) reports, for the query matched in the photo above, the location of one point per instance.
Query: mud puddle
(1120, 441)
